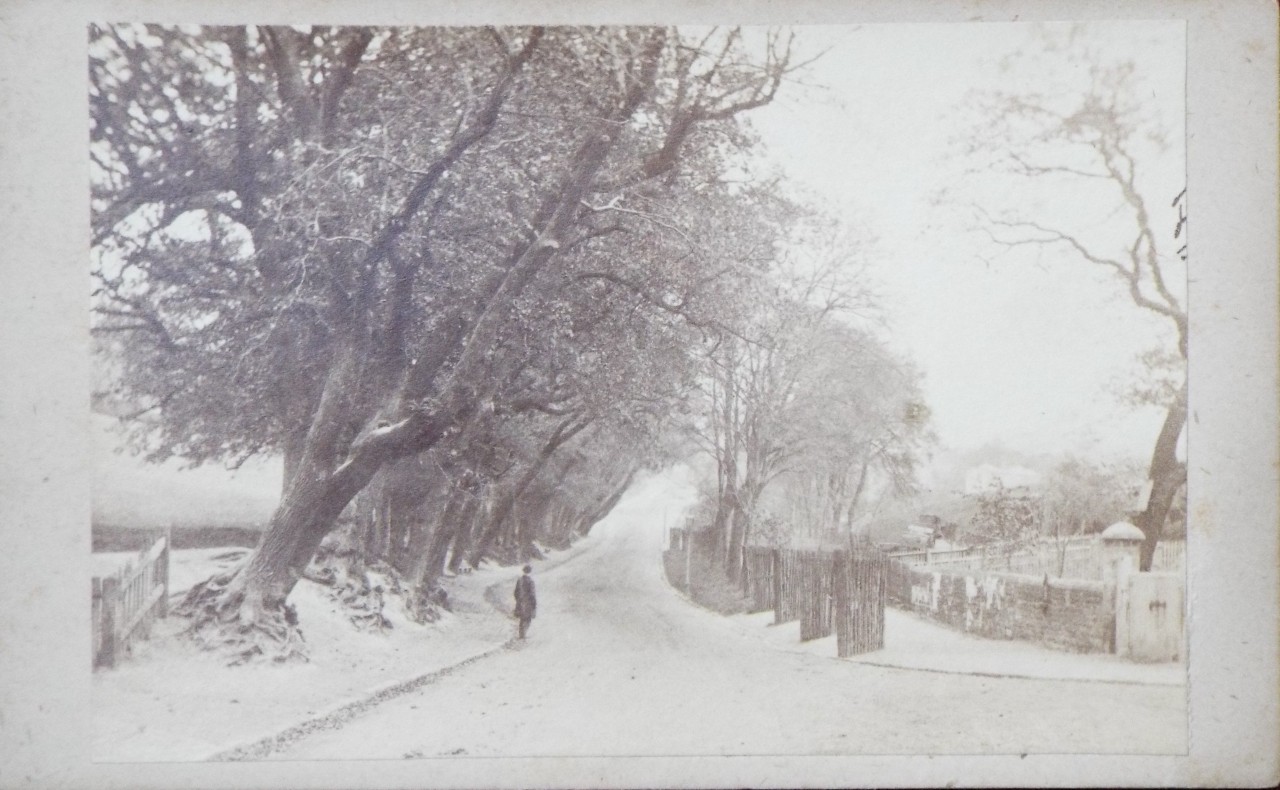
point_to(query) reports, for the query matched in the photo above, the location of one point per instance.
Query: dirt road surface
(618, 663)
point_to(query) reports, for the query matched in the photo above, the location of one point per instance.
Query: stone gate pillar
(1121, 548)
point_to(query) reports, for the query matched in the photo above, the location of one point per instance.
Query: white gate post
(1121, 544)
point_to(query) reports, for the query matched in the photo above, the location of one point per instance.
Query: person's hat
(528, 569)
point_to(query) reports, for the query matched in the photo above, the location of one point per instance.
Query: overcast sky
(1021, 350)
(1016, 351)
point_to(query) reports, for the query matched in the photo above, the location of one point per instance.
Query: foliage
(352, 246)
(709, 586)
(804, 407)
(1004, 517)
(1081, 498)
(1087, 163)
(859, 425)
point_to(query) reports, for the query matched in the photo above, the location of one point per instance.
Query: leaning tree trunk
(426, 597)
(462, 538)
(432, 562)
(565, 431)
(607, 504)
(1167, 475)
(246, 610)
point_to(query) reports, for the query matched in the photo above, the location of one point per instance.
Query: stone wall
(1067, 614)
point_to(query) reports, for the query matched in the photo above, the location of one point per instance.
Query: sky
(1018, 349)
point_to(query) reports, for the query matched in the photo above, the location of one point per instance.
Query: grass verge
(708, 584)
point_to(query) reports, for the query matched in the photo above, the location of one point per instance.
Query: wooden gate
(126, 602)
(1149, 616)
(815, 594)
(858, 585)
(786, 586)
(759, 578)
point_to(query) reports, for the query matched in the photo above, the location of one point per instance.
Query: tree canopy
(348, 246)
(1091, 191)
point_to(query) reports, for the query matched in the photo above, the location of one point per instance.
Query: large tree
(1090, 163)
(794, 389)
(318, 240)
(860, 428)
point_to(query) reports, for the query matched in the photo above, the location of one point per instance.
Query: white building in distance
(1014, 480)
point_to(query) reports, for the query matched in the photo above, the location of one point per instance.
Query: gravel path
(617, 664)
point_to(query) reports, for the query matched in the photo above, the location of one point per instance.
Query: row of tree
(481, 274)
(1081, 165)
(479, 266)
(808, 415)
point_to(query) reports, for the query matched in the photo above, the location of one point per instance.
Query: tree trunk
(246, 610)
(726, 515)
(737, 534)
(746, 507)
(535, 515)
(432, 562)
(565, 431)
(857, 494)
(295, 442)
(462, 537)
(1167, 475)
(606, 506)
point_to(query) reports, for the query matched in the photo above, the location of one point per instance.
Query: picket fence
(1077, 557)
(126, 602)
(1171, 555)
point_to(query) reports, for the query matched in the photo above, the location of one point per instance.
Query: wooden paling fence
(815, 595)
(758, 567)
(786, 585)
(126, 602)
(859, 580)
(1171, 555)
(842, 591)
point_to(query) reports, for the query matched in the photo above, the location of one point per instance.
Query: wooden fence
(758, 577)
(814, 592)
(786, 585)
(859, 580)
(126, 602)
(841, 591)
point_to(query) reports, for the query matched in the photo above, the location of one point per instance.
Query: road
(618, 663)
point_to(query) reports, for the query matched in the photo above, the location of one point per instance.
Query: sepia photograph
(541, 391)
(713, 399)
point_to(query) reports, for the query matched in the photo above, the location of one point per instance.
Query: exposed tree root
(351, 583)
(427, 605)
(244, 628)
(224, 621)
(364, 588)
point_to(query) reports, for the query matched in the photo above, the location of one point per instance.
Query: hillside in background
(129, 492)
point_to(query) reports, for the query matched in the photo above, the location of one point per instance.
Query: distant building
(920, 536)
(942, 529)
(1017, 481)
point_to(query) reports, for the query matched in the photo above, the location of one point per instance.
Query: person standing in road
(526, 600)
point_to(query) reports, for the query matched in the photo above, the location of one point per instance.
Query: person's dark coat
(526, 598)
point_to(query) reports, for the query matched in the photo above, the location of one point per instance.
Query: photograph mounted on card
(644, 391)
